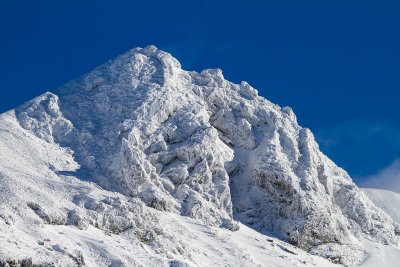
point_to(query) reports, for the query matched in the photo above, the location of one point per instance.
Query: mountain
(386, 200)
(389, 202)
(141, 163)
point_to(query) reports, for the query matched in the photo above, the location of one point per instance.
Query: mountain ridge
(197, 145)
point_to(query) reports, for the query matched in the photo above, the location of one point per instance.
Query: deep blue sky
(336, 63)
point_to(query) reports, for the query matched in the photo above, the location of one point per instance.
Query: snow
(141, 163)
(387, 200)
(62, 243)
(379, 255)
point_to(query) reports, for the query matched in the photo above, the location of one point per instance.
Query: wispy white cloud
(387, 178)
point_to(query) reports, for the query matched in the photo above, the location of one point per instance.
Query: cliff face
(200, 146)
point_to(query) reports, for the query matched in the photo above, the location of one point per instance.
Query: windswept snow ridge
(386, 200)
(120, 153)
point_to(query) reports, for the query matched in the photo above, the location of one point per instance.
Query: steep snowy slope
(390, 203)
(52, 218)
(125, 147)
(386, 200)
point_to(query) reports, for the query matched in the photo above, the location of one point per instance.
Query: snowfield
(141, 163)
(390, 203)
(51, 235)
(387, 200)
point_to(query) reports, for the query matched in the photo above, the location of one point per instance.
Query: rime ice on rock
(199, 145)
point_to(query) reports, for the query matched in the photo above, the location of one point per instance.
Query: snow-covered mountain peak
(145, 64)
(148, 55)
(193, 144)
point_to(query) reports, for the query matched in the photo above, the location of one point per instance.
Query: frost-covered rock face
(196, 144)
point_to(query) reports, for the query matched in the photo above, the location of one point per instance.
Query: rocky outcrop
(199, 145)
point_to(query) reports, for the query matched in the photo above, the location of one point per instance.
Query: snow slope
(142, 163)
(76, 223)
(387, 200)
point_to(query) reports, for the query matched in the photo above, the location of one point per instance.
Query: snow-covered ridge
(154, 135)
(386, 200)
